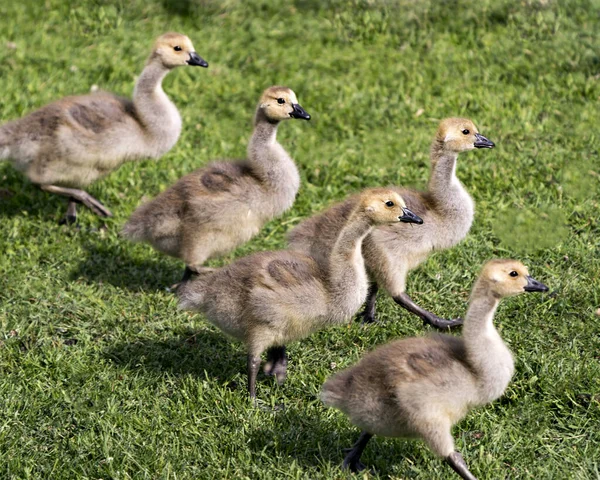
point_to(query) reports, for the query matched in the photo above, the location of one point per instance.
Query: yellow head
(460, 134)
(176, 50)
(506, 278)
(280, 103)
(384, 206)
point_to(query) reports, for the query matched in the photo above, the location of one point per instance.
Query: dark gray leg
(79, 196)
(405, 301)
(352, 461)
(457, 462)
(368, 314)
(187, 274)
(277, 363)
(253, 367)
(71, 216)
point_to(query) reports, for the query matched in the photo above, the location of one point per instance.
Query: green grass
(102, 377)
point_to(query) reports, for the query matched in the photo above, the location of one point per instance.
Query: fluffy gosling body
(421, 387)
(70, 143)
(216, 208)
(269, 299)
(391, 251)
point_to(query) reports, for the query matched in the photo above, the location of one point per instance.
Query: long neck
(442, 178)
(150, 80)
(346, 264)
(487, 353)
(263, 146)
(479, 321)
(265, 131)
(156, 112)
(270, 162)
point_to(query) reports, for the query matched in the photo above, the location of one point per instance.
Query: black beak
(410, 217)
(534, 286)
(197, 61)
(299, 112)
(482, 142)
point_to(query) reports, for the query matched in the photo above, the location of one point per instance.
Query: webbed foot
(428, 318)
(442, 323)
(354, 466)
(367, 317)
(458, 464)
(352, 459)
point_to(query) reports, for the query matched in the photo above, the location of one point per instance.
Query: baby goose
(72, 142)
(216, 208)
(391, 251)
(420, 387)
(269, 299)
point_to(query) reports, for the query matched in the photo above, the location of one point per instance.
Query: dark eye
(465, 132)
(177, 48)
(513, 274)
(280, 101)
(389, 203)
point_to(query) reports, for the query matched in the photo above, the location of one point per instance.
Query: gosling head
(280, 103)
(383, 205)
(176, 50)
(507, 278)
(460, 134)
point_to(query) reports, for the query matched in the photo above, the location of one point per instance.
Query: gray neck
(442, 179)
(267, 158)
(346, 264)
(152, 105)
(488, 355)
(263, 137)
(150, 80)
(480, 315)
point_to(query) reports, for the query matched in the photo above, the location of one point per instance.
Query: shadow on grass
(310, 441)
(211, 8)
(113, 263)
(203, 8)
(18, 195)
(191, 352)
(298, 435)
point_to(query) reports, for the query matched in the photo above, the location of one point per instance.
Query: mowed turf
(101, 377)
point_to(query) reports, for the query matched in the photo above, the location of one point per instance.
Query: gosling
(421, 387)
(269, 299)
(68, 144)
(214, 209)
(392, 251)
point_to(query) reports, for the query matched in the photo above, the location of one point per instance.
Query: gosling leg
(79, 196)
(277, 363)
(428, 318)
(437, 435)
(190, 271)
(253, 367)
(368, 314)
(352, 460)
(457, 462)
(187, 274)
(71, 216)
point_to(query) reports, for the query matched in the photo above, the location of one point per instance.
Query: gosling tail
(333, 390)
(191, 292)
(134, 229)
(155, 222)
